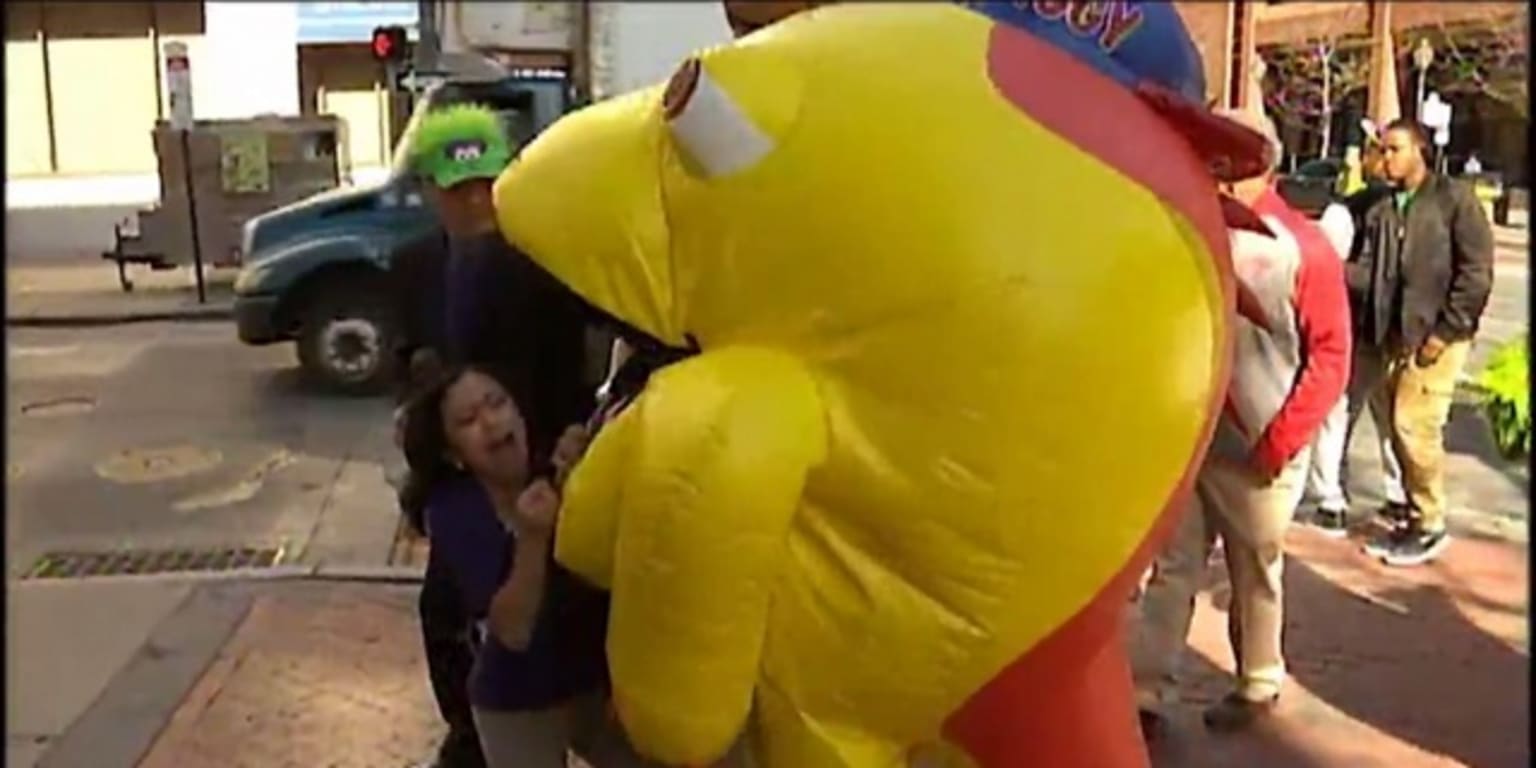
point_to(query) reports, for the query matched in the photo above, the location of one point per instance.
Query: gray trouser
(1325, 485)
(541, 738)
(1368, 391)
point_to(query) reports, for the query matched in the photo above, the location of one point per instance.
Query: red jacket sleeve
(1322, 314)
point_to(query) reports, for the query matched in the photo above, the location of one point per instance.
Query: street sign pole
(178, 80)
(1436, 114)
(428, 40)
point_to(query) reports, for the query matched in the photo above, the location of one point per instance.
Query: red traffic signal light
(388, 44)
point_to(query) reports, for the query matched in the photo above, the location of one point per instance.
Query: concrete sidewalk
(1515, 239)
(81, 293)
(65, 642)
(220, 673)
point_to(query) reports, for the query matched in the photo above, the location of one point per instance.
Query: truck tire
(345, 337)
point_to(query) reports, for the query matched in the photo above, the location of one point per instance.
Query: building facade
(1374, 73)
(85, 83)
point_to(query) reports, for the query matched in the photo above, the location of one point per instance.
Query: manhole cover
(242, 491)
(120, 562)
(152, 465)
(60, 406)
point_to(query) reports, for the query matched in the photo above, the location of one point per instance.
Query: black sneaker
(1333, 523)
(1395, 512)
(1416, 546)
(1235, 713)
(1400, 521)
(1382, 542)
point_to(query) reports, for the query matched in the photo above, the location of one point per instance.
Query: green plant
(1506, 396)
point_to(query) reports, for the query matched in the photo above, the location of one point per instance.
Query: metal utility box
(239, 169)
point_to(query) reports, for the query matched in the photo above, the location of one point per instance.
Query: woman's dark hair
(426, 443)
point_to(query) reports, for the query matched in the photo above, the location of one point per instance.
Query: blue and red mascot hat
(1145, 47)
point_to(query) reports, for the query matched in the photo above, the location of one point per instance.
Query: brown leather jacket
(1425, 271)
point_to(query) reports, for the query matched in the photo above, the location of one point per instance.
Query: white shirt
(1339, 227)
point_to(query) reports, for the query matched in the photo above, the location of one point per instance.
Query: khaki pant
(1421, 404)
(1250, 516)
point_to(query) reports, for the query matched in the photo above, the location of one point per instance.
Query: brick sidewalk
(1399, 668)
(1390, 668)
(316, 675)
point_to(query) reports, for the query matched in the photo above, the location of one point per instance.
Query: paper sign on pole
(178, 83)
(244, 167)
(1435, 113)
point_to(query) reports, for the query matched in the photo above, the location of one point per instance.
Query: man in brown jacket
(1421, 273)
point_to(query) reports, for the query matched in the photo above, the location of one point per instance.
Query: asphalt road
(166, 436)
(176, 435)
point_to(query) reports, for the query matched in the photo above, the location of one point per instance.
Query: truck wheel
(344, 341)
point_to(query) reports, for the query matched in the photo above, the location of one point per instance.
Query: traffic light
(389, 44)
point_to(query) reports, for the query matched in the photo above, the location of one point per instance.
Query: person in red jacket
(1290, 366)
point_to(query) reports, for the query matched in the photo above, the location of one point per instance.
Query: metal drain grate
(77, 565)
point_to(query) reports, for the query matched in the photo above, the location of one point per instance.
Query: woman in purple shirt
(538, 684)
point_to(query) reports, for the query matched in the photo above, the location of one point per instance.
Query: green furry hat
(460, 142)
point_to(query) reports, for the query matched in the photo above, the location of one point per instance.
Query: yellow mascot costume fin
(958, 279)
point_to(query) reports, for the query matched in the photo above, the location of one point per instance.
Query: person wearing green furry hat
(501, 309)
(496, 311)
(460, 150)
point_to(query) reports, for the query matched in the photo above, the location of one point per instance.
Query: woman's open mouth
(509, 440)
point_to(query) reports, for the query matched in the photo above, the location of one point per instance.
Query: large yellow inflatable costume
(961, 303)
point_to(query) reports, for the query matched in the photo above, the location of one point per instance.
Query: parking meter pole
(178, 81)
(197, 245)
